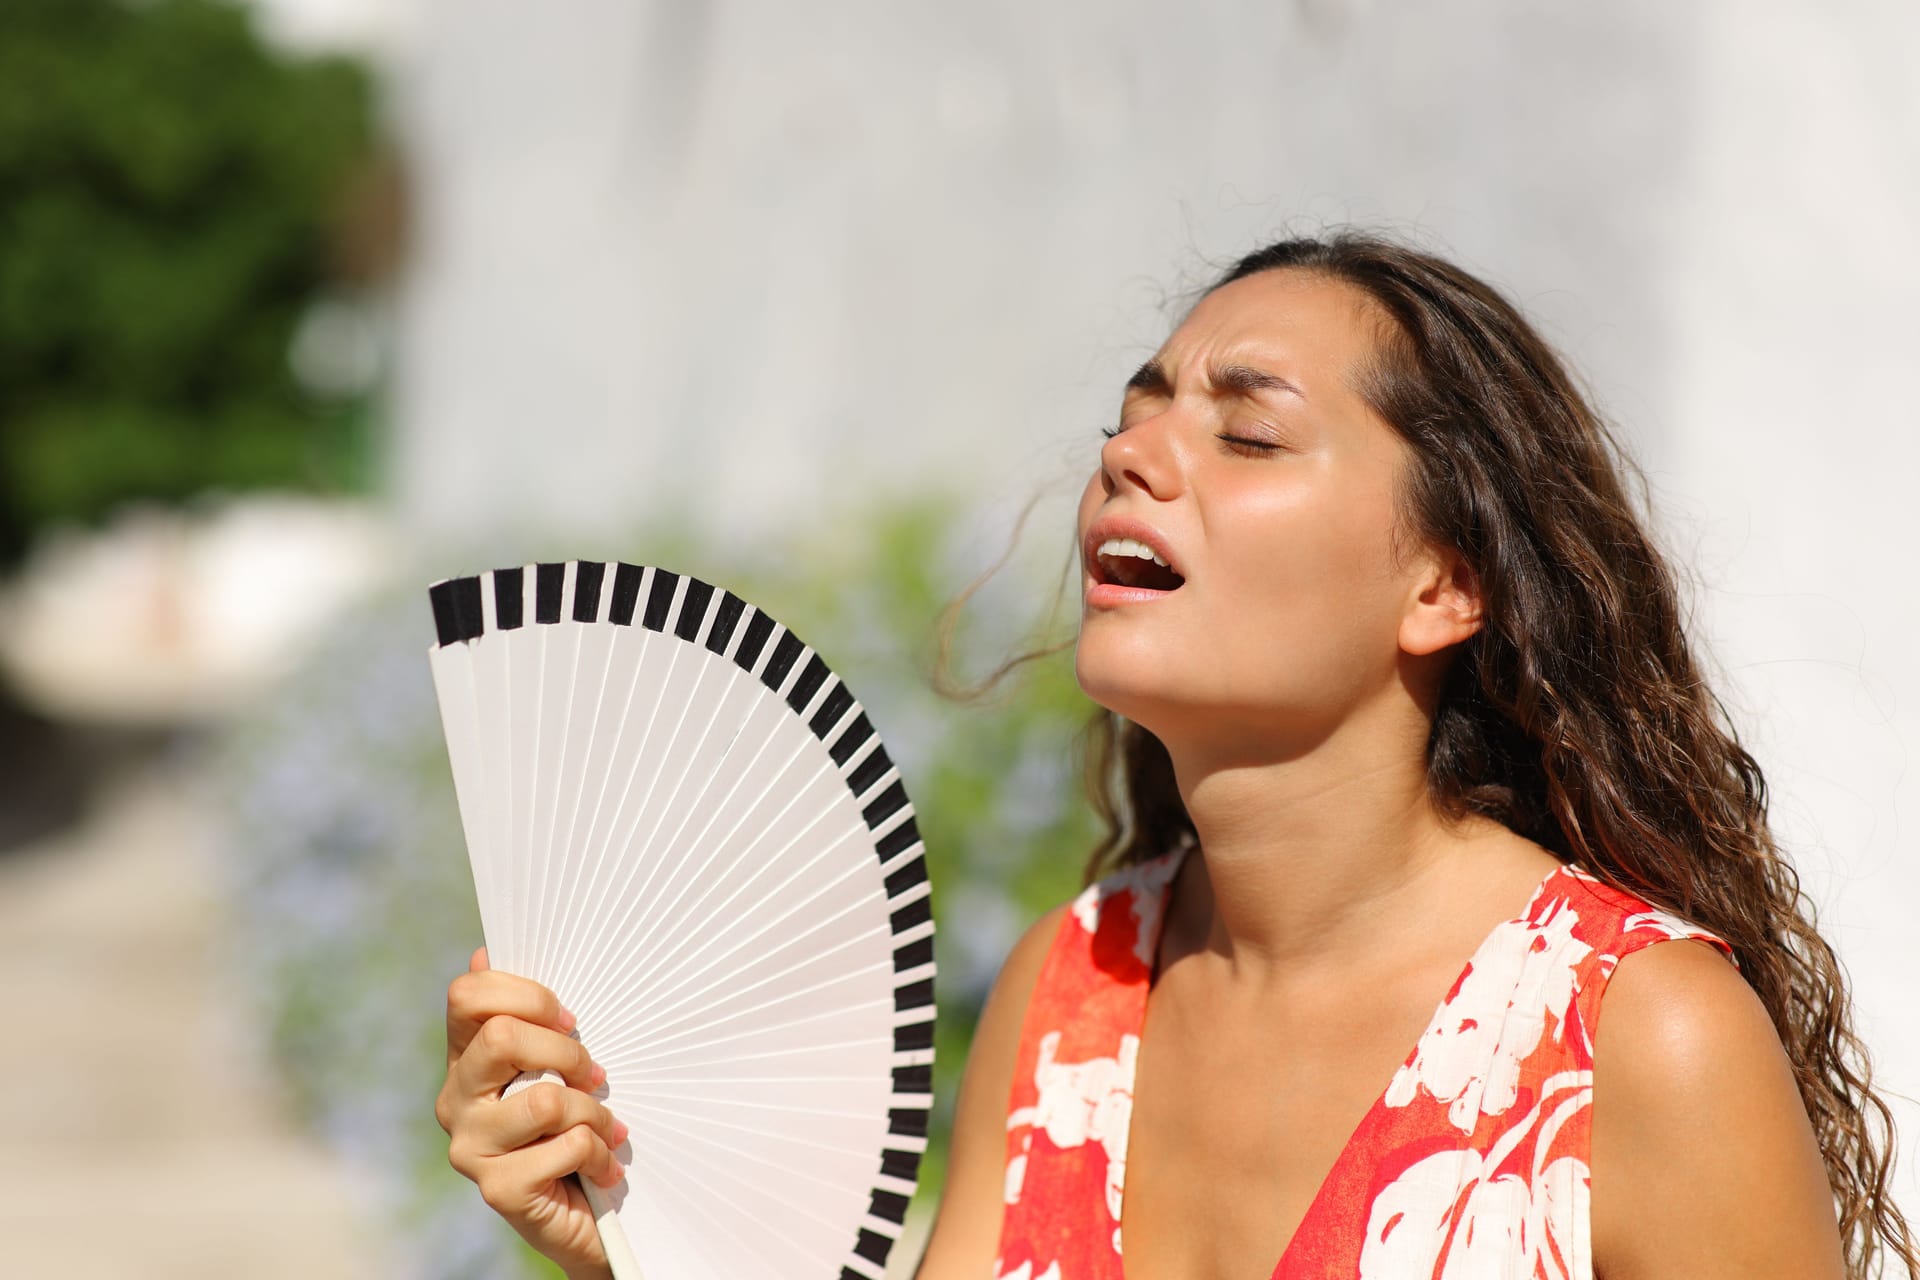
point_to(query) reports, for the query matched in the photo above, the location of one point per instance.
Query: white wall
(1792, 297)
(731, 248)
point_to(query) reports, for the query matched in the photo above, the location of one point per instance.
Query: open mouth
(1125, 562)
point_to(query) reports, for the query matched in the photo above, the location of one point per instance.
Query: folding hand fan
(681, 821)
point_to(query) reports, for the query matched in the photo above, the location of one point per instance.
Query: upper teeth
(1130, 547)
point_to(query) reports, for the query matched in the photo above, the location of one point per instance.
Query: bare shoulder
(966, 1231)
(996, 1040)
(1704, 1163)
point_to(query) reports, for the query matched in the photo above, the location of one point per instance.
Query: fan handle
(612, 1238)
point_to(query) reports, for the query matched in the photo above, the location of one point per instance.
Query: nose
(1143, 455)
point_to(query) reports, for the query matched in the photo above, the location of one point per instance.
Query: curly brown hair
(1577, 715)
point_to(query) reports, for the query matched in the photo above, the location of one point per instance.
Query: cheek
(1313, 565)
(1091, 499)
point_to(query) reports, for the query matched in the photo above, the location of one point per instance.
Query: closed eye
(1264, 446)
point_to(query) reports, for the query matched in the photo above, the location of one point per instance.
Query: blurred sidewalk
(137, 1139)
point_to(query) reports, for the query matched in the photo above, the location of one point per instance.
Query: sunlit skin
(1292, 677)
(1292, 616)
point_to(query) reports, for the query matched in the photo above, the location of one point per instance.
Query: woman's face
(1245, 458)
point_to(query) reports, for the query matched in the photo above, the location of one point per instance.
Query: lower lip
(1107, 595)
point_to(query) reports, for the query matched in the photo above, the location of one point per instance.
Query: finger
(514, 1182)
(505, 1046)
(541, 1111)
(478, 960)
(480, 994)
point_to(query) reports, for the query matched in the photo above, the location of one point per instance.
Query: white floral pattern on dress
(1665, 921)
(1016, 1174)
(1025, 1271)
(1083, 1102)
(1658, 918)
(1444, 1218)
(1470, 1055)
(1142, 887)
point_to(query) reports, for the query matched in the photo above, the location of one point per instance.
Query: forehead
(1313, 329)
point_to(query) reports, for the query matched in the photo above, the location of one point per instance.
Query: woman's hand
(519, 1151)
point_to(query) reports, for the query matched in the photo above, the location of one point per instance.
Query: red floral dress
(1472, 1165)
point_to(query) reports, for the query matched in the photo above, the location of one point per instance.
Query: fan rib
(659, 1023)
(783, 1108)
(833, 708)
(652, 955)
(726, 1233)
(640, 962)
(669, 1037)
(705, 732)
(851, 739)
(496, 761)
(595, 844)
(913, 1035)
(626, 593)
(913, 872)
(768, 1029)
(758, 1192)
(581, 645)
(786, 651)
(625, 892)
(660, 596)
(508, 596)
(526, 813)
(670, 1121)
(670, 1019)
(725, 617)
(759, 628)
(873, 769)
(678, 995)
(655, 1085)
(596, 925)
(912, 955)
(906, 835)
(692, 610)
(676, 1059)
(900, 1163)
(652, 962)
(588, 576)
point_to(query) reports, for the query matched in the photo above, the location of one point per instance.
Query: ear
(1446, 606)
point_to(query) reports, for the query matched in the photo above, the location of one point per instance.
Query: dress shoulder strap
(1072, 1095)
(1615, 923)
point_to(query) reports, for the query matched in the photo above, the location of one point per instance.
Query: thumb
(478, 961)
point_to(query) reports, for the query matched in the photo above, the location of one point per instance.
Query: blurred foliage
(356, 905)
(167, 189)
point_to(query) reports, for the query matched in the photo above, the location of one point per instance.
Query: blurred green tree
(168, 189)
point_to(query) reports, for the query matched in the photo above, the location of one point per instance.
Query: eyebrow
(1239, 379)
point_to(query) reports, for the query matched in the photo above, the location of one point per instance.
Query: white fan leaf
(681, 821)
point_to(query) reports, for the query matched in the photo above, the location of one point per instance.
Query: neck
(1305, 855)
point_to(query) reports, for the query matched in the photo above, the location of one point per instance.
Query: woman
(1401, 744)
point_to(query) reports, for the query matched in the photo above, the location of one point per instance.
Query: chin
(1124, 684)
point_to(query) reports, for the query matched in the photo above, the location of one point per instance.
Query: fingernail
(599, 1074)
(567, 1021)
(619, 1171)
(619, 1132)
